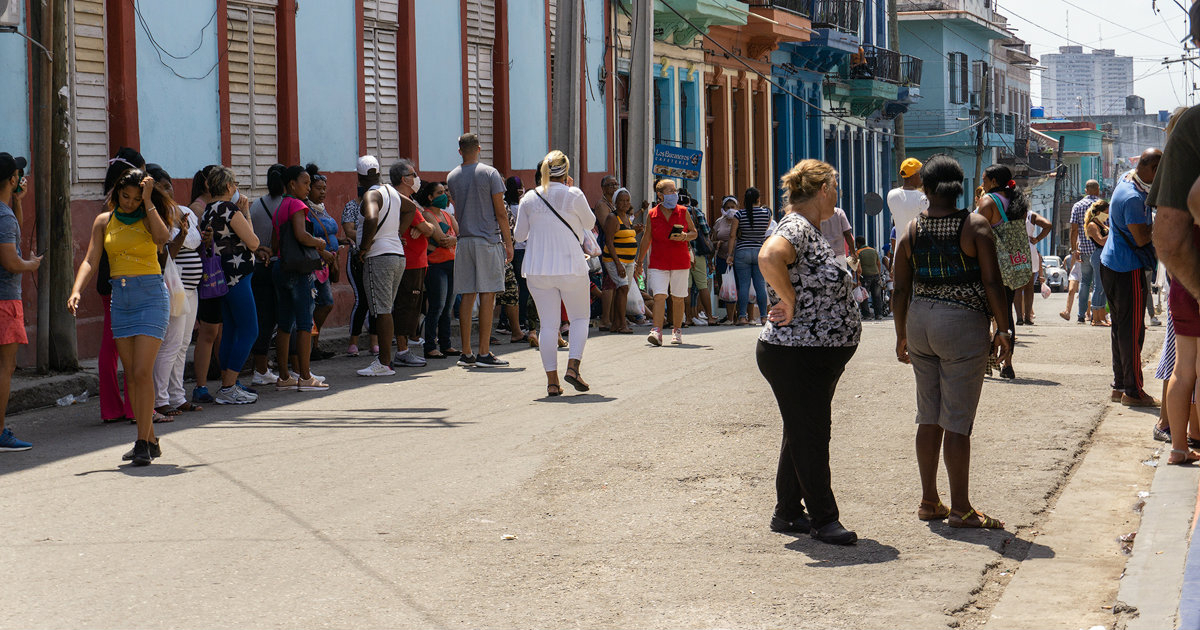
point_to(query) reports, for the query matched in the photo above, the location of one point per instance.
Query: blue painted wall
(179, 119)
(527, 92)
(596, 112)
(14, 98)
(327, 85)
(439, 73)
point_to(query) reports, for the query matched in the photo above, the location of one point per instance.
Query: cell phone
(677, 229)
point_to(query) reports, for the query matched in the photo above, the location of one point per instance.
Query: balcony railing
(943, 5)
(799, 7)
(841, 15)
(910, 70)
(880, 64)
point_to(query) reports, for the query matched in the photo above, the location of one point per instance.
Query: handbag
(294, 257)
(212, 275)
(588, 242)
(702, 246)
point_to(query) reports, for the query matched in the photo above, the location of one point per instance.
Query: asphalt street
(446, 497)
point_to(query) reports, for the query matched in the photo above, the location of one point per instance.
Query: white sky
(1131, 27)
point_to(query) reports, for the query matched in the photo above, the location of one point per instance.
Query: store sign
(678, 162)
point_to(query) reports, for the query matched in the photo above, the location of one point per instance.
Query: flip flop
(158, 418)
(190, 406)
(113, 420)
(983, 521)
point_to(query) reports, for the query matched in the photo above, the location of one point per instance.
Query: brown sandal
(168, 410)
(1189, 456)
(982, 521)
(190, 406)
(930, 511)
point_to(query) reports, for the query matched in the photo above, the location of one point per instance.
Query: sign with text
(670, 161)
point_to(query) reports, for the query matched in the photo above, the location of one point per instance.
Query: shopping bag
(179, 301)
(860, 294)
(1045, 290)
(728, 286)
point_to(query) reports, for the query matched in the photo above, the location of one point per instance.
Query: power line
(160, 51)
(1120, 26)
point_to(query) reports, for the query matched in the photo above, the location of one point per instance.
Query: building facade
(1076, 83)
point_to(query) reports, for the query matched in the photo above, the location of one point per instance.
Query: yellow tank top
(625, 242)
(131, 250)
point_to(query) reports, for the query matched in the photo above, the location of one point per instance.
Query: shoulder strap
(560, 217)
(1001, 205)
(270, 214)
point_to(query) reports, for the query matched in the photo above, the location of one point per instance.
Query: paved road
(644, 504)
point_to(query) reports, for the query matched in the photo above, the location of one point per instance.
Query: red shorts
(1184, 310)
(12, 322)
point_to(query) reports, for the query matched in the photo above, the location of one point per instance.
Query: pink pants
(112, 404)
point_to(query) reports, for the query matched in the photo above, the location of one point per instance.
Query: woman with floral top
(811, 332)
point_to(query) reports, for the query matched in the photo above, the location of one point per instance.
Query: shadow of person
(823, 555)
(575, 399)
(154, 470)
(1001, 541)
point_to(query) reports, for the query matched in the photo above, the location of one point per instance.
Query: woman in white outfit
(551, 221)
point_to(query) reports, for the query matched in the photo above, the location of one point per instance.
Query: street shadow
(1001, 541)
(1036, 381)
(154, 470)
(825, 555)
(575, 399)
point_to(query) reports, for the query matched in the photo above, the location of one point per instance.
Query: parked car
(1057, 277)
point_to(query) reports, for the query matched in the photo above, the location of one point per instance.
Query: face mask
(416, 182)
(728, 212)
(671, 200)
(237, 195)
(441, 201)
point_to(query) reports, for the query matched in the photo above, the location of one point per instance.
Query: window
(89, 99)
(380, 22)
(253, 95)
(481, 89)
(958, 77)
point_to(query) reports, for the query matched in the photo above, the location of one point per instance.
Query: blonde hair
(220, 180)
(1100, 206)
(663, 183)
(555, 160)
(807, 178)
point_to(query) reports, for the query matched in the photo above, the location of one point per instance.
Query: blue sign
(671, 161)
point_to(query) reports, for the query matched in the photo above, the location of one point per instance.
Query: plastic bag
(179, 301)
(635, 306)
(728, 286)
(860, 294)
(1045, 290)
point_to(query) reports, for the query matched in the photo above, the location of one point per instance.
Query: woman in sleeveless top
(620, 251)
(947, 279)
(114, 406)
(439, 279)
(1095, 226)
(131, 233)
(998, 182)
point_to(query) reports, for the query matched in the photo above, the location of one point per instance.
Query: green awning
(701, 13)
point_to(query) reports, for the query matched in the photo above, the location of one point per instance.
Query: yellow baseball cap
(910, 167)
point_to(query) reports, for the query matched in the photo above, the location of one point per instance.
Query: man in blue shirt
(1121, 264)
(12, 267)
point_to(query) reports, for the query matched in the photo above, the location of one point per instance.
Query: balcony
(835, 35)
(803, 8)
(910, 71)
(980, 21)
(866, 82)
(839, 15)
(703, 13)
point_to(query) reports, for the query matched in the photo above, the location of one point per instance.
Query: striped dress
(188, 260)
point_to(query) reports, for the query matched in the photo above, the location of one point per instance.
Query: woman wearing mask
(361, 314)
(552, 220)
(722, 234)
(439, 274)
(620, 252)
(262, 284)
(749, 229)
(947, 280)
(232, 236)
(671, 230)
(131, 231)
(113, 406)
(324, 227)
(811, 332)
(1095, 226)
(294, 289)
(1003, 202)
(169, 396)
(208, 311)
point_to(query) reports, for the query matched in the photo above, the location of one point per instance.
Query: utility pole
(568, 31)
(980, 130)
(64, 348)
(898, 148)
(1060, 171)
(641, 93)
(41, 28)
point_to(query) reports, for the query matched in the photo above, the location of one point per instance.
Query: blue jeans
(745, 269)
(439, 292)
(294, 299)
(1098, 297)
(1089, 279)
(239, 324)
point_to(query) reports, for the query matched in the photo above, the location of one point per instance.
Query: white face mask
(416, 182)
(237, 196)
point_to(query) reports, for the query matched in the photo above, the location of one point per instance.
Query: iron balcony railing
(841, 15)
(910, 70)
(880, 64)
(799, 7)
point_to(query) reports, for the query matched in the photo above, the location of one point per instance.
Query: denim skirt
(140, 306)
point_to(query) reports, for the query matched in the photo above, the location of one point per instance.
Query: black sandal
(575, 381)
(553, 390)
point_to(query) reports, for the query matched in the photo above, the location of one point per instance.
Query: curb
(1189, 598)
(29, 393)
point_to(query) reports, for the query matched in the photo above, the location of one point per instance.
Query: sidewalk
(31, 390)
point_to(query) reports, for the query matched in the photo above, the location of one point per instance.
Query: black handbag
(294, 257)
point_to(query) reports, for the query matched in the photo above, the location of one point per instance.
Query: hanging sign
(672, 161)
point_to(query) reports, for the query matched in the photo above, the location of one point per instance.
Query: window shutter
(382, 11)
(481, 93)
(89, 99)
(382, 119)
(253, 105)
(964, 70)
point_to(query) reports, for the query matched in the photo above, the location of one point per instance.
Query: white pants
(549, 292)
(172, 355)
(673, 281)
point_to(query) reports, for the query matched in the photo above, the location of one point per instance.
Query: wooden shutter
(481, 91)
(89, 99)
(253, 104)
(380, 77)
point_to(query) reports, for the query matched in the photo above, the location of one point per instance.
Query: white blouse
(551, 249)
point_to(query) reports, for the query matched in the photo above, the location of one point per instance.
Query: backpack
(1012, 248)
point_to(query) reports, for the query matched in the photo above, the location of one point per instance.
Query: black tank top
(941, 271)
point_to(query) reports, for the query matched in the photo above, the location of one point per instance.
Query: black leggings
(263, 287)
(361, 311)
(804, 380)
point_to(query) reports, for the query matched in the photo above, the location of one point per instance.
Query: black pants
(804, 380)
(1010, 296)
(263, 288)
(1126, 292)
(874, 286)
(361, 310)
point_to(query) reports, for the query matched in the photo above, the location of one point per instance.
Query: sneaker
(248, 390)
(312, 385)
(155, 451)
(676, 336)
(352, 351)
(264, 378)
(408, 359)
(490, 360)
(655, 337)
(376, 369)
(8, 443)
(466, 360)
(699, 321)
(140, 455)
(1162, 435)
(234, 395)
(1145, 400)
(201, 395)
(416, 342)
(316, 376)
(285, 385)
(375, 350)
(1154, 321)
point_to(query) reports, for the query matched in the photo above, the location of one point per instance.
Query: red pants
(112, 404)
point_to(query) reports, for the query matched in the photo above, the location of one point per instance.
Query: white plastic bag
(635, 306)
(1045, 290)
(728, 286)
(179, 301)
(860, 294)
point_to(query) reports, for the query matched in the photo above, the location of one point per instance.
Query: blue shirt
(10, 232)
(1128, 206)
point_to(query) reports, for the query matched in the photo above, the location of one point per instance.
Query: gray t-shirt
(261, 212)
(472, 186)
(10, 232)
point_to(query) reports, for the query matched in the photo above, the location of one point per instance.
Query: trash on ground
(71, 399)
(1153, 463)
(1143, 494)
(1137, 507)
(509, 537)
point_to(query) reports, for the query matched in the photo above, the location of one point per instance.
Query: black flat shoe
(835, 534)
(799, 525)
(1007, 372)
(140, 455)
(154, 449)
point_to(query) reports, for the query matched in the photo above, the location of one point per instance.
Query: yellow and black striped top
(625, 242)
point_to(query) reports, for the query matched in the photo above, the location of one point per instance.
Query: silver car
(1057, 277)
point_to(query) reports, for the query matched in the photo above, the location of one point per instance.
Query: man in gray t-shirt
(12, 268)
(485, 245)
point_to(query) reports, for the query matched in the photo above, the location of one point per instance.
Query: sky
(1131, 27)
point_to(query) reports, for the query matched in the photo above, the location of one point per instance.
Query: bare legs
(956, 449)
(304, 351)
(206, 340)
(8, 364)
(137, 355)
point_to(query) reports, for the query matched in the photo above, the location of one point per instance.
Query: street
(643, 504)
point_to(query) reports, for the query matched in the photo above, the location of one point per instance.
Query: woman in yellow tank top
(132, 232)
(619, 253)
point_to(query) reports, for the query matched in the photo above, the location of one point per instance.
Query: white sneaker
(408, 359)
(700, 321)
(234, 395)
(296, 377)
(416, 342)
(676, 336)
(376, 369)
(268, 378)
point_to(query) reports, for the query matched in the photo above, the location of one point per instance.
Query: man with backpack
(870, 278)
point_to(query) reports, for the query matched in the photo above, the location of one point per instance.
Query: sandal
(533, 342)
(168, 410)
(435, 354)
(190, 406)
(562, 343)
(159, 418)
(982, 521)
(624, 331)
(930, 511)
(523, 337)
(1189, 456)
(572, 377)
(553, 389)
(112, 420)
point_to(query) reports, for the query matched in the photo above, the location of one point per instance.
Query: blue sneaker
(10, 443)
(201, 395)
(249, 390)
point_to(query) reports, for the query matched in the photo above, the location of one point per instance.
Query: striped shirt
(190, 268)
(624, 242)
(1078, 212)
(752, 236)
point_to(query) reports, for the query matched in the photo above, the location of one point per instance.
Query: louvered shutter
(381, 96)
(481, 92)
(253, 104)
(89, 99)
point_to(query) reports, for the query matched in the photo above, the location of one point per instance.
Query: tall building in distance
(1085, 84)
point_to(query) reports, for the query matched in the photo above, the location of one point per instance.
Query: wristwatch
(1004, 333)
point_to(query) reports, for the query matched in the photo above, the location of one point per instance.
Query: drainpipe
(641, 95)
(898, 149)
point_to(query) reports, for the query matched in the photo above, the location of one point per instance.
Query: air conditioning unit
(10, 13)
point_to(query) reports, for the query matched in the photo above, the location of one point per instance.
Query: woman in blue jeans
(1095, 226)
(749, 227)
(439, 280)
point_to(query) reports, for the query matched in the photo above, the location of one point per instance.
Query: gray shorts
(478, 266)
(610, 268)
(382, 276)
(949, 348)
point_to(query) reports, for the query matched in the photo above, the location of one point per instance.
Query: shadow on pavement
(999, 540)
(823, 555)
(575, 399)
